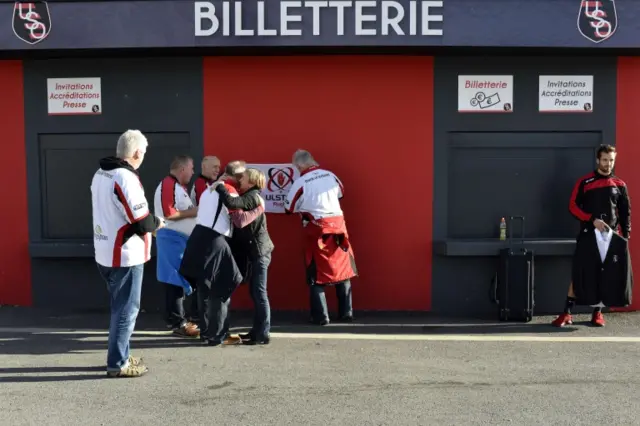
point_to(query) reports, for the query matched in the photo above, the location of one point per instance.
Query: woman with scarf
(253, 247)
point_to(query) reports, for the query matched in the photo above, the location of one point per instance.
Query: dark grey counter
(66, 249)
(492, 247)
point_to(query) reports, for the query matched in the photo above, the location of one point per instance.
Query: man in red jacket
(600, 200)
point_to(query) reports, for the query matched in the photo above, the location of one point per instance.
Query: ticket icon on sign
(483, 101)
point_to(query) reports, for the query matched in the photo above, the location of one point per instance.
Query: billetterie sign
(278, 18)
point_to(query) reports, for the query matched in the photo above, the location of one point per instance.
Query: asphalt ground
(381, 370)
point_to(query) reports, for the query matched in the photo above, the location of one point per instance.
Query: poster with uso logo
(279, 178)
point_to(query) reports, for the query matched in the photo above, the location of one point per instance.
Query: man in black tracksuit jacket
(599, 200)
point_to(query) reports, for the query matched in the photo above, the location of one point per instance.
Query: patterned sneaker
(129, 371)
(135, 361)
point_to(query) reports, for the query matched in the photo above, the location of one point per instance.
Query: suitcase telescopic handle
(511, 219)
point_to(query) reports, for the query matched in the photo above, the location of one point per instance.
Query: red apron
(328, 256)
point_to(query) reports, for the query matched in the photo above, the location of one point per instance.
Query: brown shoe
(187, 330)
(232, 341)
(129, 371)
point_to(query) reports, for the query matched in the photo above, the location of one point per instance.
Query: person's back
(208, 213)
(317, 192)
(118, 201)
(208, 261)
(329, 258)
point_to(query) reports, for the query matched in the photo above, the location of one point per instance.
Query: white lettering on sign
(565, 93)
(485, 93)
(74, 96)
(370, 18)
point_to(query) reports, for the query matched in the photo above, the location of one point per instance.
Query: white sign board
(485, 93)
(279, 178)
(74, 96)
(565, 93)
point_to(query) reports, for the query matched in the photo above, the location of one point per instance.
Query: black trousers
(318, 301)
(191, 306)
(214, 315)
(174, 313)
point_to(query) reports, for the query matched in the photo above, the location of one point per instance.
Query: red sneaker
(562, 320)
(597, 319)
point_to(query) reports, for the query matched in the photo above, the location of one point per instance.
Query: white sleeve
(192, 195)
(295, 196)
(341, 187)
(129, 197)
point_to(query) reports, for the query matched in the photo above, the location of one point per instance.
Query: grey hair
(302, 158)
(129, 142)
(235, 167)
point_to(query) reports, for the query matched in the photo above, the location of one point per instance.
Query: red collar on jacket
(309, 170)
(206, 179)
(176, 180)
(230, 185)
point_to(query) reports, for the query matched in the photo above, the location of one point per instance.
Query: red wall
(368, 119)
(628, 146)
(15, 263)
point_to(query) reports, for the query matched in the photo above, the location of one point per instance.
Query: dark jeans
(174, 305)
(125, 287)
(318, 301)
(191, 306)
(191, 302)
(258, 289)
(214, 315)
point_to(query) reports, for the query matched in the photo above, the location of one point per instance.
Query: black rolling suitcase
(514, 281)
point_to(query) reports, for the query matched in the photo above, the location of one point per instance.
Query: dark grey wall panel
(74, 284)
(84, 151)
(492, 165)
(528, 174)
(162, 97)
(466, 292)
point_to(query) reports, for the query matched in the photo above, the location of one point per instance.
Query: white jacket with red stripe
(316, 192)
(121, 219)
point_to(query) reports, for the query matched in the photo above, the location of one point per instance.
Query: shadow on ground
(52, 342)
(34, 332)
(65, 374)
(150, 333)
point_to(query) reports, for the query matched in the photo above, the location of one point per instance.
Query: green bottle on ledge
(503, 229)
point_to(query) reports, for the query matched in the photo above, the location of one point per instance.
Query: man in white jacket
(122, 227)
